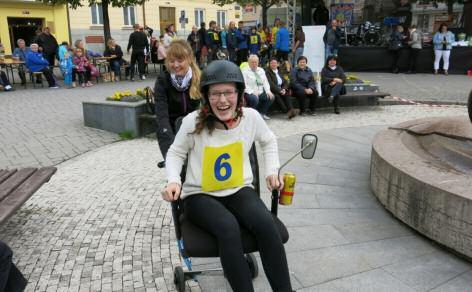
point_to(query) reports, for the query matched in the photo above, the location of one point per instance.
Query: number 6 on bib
(222, 167)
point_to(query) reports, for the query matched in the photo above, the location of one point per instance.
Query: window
(199, 17)
(221, 18)
(97, 14)
(129, 15)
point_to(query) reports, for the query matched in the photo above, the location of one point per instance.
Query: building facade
(87, 22)
(21, 18)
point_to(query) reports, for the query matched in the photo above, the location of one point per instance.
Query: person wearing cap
(217, 140)
(176, 91)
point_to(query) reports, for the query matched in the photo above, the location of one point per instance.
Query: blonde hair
(110, 41)
(180, 49)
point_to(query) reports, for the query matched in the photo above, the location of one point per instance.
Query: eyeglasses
(229, 94)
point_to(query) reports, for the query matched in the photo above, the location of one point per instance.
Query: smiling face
(253, 63)
(302, 63)
(332, 62)
(273, 64)
(178, 66)
(223, 100)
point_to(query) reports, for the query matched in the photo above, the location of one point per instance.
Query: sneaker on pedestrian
(83, 85)
(336, 111)
(8, 88)
(266, 117)
(89, 84)
(54, 87)
(131, 79)
(143, 77)
(74, 85)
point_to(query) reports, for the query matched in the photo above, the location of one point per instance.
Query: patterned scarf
(181, 83)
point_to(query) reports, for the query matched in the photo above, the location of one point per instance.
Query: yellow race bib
(254, 40)
(222, 167)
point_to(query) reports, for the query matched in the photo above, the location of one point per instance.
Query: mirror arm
(275, 193)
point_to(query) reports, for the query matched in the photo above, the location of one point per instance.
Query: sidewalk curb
(389, 101)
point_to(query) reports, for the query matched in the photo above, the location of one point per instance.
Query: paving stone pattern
(101, 225)
(42, 127)
(423, 87)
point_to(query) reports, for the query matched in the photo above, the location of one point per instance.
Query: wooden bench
(17, 186)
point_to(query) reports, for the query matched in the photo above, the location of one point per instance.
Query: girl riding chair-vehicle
(216, 160)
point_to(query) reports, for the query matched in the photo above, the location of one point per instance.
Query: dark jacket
(274, 88)
(194, 41)
(327, 75)
(338, 34)
(214, 39)
(138, 41)
(231, 39)
(117, 51)
(396, 40)
(302, 79)
(48, 42)
(170, 104)
(204, 39)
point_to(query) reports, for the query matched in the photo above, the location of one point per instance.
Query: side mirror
(309, 143)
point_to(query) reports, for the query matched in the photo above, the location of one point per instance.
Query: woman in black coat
(177, 92)
(304, 85)
(279, 87)
(332, 81)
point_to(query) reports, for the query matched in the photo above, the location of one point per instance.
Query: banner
(314, 48)
(343, 13)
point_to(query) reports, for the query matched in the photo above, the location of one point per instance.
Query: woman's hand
(171, 192)
(270, 95)
(274, 182)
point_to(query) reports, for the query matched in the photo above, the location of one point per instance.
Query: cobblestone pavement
(423, 87)
(101, 225)
(40, 127)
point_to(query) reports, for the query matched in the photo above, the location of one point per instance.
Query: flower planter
(115, 116)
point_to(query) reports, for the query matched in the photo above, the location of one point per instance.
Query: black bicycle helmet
(222, 71)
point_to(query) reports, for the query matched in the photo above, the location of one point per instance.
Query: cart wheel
(179, 279)
(252, 262)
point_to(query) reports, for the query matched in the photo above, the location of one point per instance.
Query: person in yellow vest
(214, 42)
(255, 42)
(263, 52)
(273, 40)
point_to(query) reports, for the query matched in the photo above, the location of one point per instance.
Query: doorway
(23, 28)
(166, 17)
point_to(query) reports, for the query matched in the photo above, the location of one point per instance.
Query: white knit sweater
(218, 164)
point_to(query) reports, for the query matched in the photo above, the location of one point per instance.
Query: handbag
(93, 71)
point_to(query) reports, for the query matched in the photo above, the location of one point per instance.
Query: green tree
(105, 4)
(265, 5)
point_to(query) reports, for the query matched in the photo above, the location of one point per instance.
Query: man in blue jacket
(282, 43)
(242, 49)
(36, 63)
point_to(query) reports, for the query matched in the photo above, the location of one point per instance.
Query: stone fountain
(421, 171)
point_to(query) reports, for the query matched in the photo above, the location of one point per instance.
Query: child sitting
(81, 64)
(66, 69)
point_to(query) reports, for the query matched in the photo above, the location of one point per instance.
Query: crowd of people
(412, 39)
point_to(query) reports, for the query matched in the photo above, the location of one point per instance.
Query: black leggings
(221, 217)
